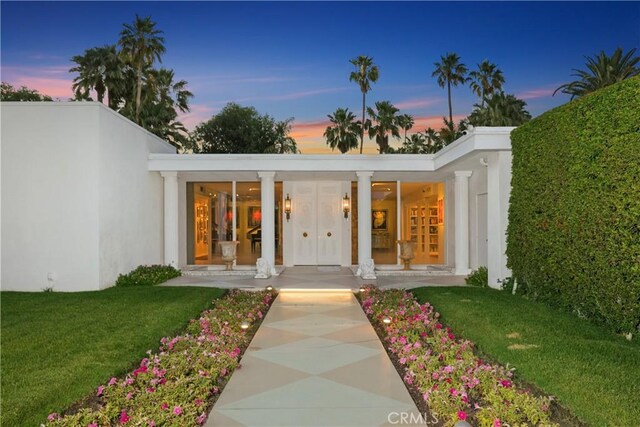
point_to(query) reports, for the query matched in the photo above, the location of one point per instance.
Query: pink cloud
(535, 93)
(313, 129)
(423, 122)
(198, 114)
(55, 88)
(54, 81)
(416, 103)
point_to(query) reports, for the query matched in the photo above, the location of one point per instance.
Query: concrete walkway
(314, 361)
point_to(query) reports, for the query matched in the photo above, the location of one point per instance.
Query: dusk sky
(291, 59)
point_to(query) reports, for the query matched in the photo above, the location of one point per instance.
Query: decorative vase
(406, 252)
(228, 249)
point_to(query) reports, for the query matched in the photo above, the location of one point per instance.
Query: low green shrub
(479, 278)
(508, 283)
(148, 275)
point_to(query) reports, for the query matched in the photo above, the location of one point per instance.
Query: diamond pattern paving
(315, 361)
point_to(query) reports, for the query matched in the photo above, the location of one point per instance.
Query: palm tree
(98, 69)
(415, 144)
(500, 110)
(365, 74)
(161, 99)
(602, 71)
(450, 71)
(141, 45)
(487, 80)
(385, 121)
(344, 132)
(450, 132)
(283, 143)
(406, 122)
(434, 142)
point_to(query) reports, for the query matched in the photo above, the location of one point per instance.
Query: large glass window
(423, 220)
(249, 222)
(209, 221)
(384, 222)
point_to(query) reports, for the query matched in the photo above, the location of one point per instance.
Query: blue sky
(290, 59)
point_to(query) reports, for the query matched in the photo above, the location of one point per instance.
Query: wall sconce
(346, 205)
(287, 207)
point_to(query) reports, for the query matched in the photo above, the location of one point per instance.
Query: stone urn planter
(228, 249)
(406, 252)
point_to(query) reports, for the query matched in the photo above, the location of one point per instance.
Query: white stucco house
(87, 195)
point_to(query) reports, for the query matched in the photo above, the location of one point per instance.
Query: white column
(170, 217)
(498, 192)
(365, 261)
(398, 235)
(267, 245)
(461, 222)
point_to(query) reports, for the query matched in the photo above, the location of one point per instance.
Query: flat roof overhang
(462, 154)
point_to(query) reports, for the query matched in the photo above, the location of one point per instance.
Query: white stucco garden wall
(130, 214)
(76, 195)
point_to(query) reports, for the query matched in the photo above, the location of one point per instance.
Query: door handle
(304, 234)
(329, 234)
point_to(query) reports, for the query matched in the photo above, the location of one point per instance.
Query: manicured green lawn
(58, 347)
(593, 372)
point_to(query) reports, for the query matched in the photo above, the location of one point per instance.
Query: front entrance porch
(316, 278)
(288, 210)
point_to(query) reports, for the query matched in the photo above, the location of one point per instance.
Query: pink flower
(52, 416)
(151, 423)
(100, 390)
(505, 383)
(151, 390)
(198, 402)
(497, 423)
(140, 370)
(403, 360)
(92, 425)
(201, 419)
(462, 415)
(124, 418)
(129, 396)
(112, 381)
(177, 410)
(164, 406)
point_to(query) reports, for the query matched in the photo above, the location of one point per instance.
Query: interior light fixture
(287, 207)
(346, 205)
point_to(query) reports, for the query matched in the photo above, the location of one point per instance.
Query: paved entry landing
(314, 361)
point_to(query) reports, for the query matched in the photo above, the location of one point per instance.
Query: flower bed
(452, 380)
(178, 384)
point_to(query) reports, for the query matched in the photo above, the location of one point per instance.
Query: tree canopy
(500, 110)
(602, 71)
(146, 95)
(238, 129)
(344, 130)
(9, 93)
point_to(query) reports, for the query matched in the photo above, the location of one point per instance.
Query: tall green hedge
(574, 217)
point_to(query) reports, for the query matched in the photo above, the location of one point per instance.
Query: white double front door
(317, 224)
